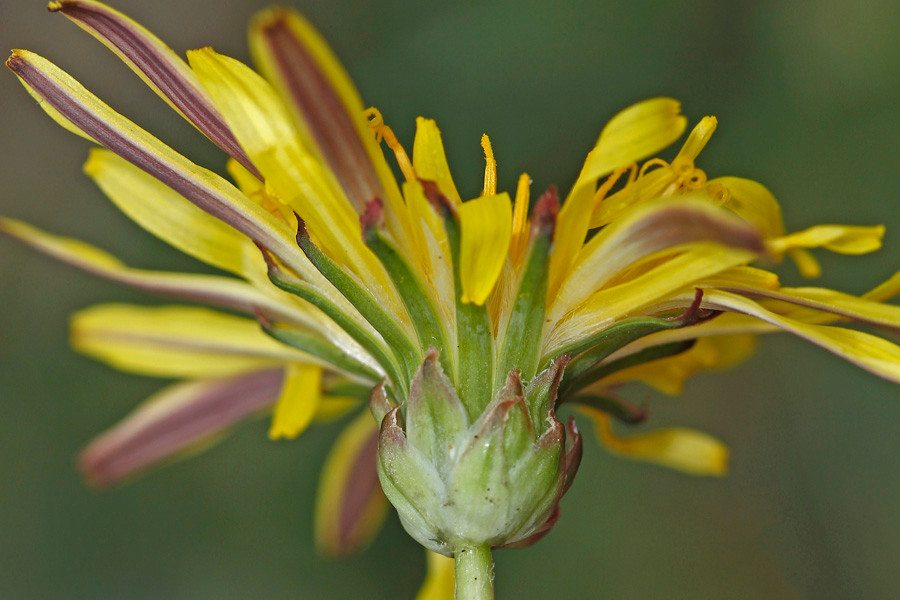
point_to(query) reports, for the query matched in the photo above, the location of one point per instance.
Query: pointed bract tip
(372, 216)
(379, 404)
(302, 233)
(545, 211)
(438, 201)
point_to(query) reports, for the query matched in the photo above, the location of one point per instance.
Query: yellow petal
(485, 230)
(350, 506)
(298, 401)
(429, 159)
(646, 229)
(843, 239)
(669, 374)
(167, 214)
(751, 201)
(324, 102)
(261, 124)
(633, 297)
(686, 450)
(636, 132)
(225, 292)
(440, 582)
(872, 353)
(201, 186)
(175, 341)
(332, 408)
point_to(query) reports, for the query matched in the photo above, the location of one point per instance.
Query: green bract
(490, 479)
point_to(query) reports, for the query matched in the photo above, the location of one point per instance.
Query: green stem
(474, 574)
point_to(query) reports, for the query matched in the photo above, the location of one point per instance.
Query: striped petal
(440, 582)
(686, 450)
(223, 292)
(72, 105)
(263, 127)
(872, 353)
(645, 230)
(350, 506)
(634, 133)
(154, 62)
(176, 341)
(326, 105)
(178, 420)
(485, 231)
(168, 215)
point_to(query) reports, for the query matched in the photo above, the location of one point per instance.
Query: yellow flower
(347, 278)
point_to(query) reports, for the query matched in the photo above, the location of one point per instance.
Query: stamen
(611, 181)
(654, 162)
(383, 132)
(519, 241)
(490, 167)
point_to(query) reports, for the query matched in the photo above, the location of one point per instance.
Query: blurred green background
(808, 100)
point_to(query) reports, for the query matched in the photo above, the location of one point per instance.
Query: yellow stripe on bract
(261, 124)
(485, 230)
(333, 483)
(685, 450)
(843, 239)
(440, 582)
(298, 401)
(175, 341)
(165, 213)
(636, 132)
(872, 353)
(430, 160)
(669, 374)
(431, 249)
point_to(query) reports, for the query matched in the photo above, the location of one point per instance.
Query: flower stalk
(474, 574)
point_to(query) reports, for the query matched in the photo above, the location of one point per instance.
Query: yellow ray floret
(485, 230)
(686, 450)
(176, 341)
(298, 401)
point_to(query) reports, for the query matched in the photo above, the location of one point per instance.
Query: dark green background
(807, 99)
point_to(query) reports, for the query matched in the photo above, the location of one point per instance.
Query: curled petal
(685, 450)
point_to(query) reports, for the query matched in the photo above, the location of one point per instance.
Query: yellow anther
(611, 181)
(383, 132)
(490, 167)
(519, 241)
